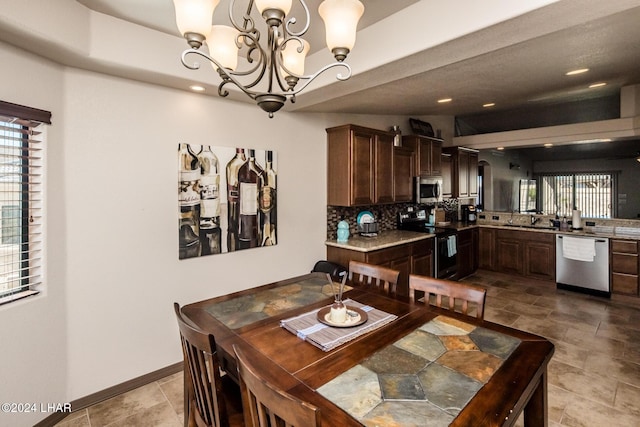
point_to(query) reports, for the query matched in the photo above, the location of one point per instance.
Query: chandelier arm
(248, 24)
(311, 77)
(226, 74)
(293, 20)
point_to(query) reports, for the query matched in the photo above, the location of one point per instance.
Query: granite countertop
(384, 239)
(390, 238)
(587, 232)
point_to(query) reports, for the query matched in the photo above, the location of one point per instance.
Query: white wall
(33, 337)
(112, 270)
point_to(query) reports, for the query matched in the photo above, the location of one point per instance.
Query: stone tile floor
(594, 376)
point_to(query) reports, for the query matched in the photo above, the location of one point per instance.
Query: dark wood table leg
(535, 412)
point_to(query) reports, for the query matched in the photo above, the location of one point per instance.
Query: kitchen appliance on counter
(469, 213)
(428, 190)
(446, 244)
(582, 264)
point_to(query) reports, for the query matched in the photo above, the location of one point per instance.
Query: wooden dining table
(495, 371)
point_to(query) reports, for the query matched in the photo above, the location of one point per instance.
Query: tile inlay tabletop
(432, 373)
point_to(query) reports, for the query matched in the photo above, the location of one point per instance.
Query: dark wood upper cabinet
(464, 171)
(428, 151)
(359, 166)
(403, 173)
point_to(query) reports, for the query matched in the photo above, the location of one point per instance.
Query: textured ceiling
(565, 35)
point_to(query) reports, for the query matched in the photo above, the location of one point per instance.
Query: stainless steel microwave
(428, 189)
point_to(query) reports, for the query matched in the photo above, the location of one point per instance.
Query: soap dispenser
(343, 231)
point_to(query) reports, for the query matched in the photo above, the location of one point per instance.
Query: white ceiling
(603, 36)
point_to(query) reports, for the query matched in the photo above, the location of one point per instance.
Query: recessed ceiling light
(500, 148)
(597, 85)
(197, 88)
(490, 104)
(443, 100)
(547, 145)
(574, 72)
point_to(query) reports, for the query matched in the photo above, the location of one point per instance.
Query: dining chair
(210, 400)
(373, 276)
(266, 405)
(435, 289)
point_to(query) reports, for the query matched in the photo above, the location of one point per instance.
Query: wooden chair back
(203, 392)
(265, 405)
(373, 276)
(455, 292)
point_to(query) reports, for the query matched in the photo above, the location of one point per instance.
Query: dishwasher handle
(596, 240)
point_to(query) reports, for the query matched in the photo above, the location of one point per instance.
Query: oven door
(446, 255)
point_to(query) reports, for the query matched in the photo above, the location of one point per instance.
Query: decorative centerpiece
(338, 314)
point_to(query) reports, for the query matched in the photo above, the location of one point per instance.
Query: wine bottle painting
(227, 199)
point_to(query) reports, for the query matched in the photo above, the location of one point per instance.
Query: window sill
(18, 295)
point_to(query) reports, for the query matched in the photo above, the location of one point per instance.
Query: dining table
(401, 362)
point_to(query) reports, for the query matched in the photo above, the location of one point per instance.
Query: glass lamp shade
(222, 45)
(283, 5)
(194, 16)
(294, 60)
(341, 19)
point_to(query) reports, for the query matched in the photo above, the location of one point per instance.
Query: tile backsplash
(385, 215)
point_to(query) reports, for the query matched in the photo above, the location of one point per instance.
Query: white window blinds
(21, 200)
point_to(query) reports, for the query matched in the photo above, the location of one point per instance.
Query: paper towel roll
(576, 221)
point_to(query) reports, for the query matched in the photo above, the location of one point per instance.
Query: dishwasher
(582, 264)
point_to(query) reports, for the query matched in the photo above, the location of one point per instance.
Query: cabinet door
(540, 260)
(424, 157)
(447, 177)
(486, 249)
(463, 174)
(509, 256)
(473, 174)
(362, 192)
(422, 258)
(403, 265)
(383, 169)
(403, 173)
(436, 158)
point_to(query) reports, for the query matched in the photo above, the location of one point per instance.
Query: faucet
(534, 220)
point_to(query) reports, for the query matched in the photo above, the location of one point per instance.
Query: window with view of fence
(21, 200)
(592, 193)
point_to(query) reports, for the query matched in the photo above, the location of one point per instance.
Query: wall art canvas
(226, 198)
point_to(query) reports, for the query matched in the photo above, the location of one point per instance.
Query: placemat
(307, 327)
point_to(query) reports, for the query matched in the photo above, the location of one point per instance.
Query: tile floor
(594, 376)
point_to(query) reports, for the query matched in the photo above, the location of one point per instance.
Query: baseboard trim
(108, 393)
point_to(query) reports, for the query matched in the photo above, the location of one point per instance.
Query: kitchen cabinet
(360, 166)
(428, 154)
(624, 267)
(447, 179)
(467, 258)
(408, 258)
(487, 248)
(510, 253)
(464, 171)
(403, 173)
(524, 253)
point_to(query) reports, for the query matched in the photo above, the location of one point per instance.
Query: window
(21, 188)
(592, 193)
(528, 195)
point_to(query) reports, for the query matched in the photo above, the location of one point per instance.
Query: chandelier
(275, 71)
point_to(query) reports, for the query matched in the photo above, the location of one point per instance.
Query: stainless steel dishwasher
(582, 264)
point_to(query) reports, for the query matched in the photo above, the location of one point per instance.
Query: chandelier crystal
(275, 69)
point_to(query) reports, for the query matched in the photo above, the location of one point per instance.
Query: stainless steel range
(446, 244)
